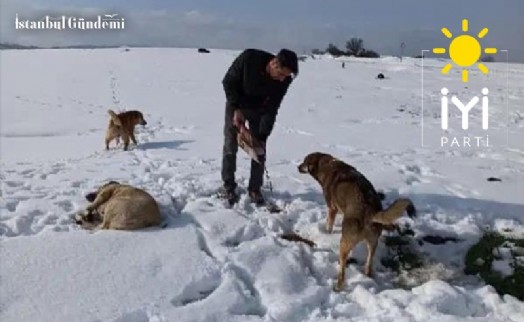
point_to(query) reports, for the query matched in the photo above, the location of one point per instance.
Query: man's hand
(262, 144)
(239, 121)
(260, 149)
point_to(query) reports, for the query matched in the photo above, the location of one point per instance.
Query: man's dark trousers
(229, 153)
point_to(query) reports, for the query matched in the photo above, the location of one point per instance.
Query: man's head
(283, 65)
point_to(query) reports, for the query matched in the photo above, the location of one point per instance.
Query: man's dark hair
(288, 58)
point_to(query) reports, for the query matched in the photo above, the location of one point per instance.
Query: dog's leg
(332, 213)
(104, 225)
(108, 140)
(107, 219)
(110, 136)
(100, 199)
(125, 138)
(346, 246)
(88, 226)
(372, 246)
(132, 135)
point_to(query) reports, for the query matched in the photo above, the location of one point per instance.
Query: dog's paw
(80, 217)
(338, 288)
(324, 229)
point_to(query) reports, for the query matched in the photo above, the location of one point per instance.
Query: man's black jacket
(248, 86)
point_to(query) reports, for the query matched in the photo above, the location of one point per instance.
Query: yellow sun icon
(465, 50)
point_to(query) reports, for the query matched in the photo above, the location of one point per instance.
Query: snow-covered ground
(216, 264)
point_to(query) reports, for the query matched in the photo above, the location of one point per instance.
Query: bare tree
(355, 46)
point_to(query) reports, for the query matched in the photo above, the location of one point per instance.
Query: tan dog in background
(118, 206)
(346, 190)
(122, 125)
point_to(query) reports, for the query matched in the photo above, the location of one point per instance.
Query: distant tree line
(15, 46)
(487, 59)
(354, 47)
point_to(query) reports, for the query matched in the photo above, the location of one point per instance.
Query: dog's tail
(114, 118)
(393, 212)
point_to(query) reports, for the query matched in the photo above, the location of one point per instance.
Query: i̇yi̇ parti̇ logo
(464, 51)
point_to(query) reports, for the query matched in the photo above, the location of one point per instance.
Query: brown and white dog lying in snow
(119, 206)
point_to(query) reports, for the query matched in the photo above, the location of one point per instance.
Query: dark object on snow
(381, 195)
(296, 238)
(491, 179)
(203, 51)
(438, 240)
(273, 208)
(405, 231)
(380, 76)
(343, 65)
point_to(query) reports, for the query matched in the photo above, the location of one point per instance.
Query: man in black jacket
(255, 85)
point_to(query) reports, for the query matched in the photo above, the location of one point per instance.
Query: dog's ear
(108, 184)
(313, 162)
(91, 196)
(312, 165)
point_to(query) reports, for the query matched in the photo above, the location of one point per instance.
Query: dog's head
(92, 195)
(313, 162)
(138, 117)
(319, 164)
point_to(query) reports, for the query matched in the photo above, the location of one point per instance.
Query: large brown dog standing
(118, 206)
(123, 125)
(347, 191)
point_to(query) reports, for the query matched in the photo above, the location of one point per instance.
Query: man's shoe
(257, 197)
(228, 194)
